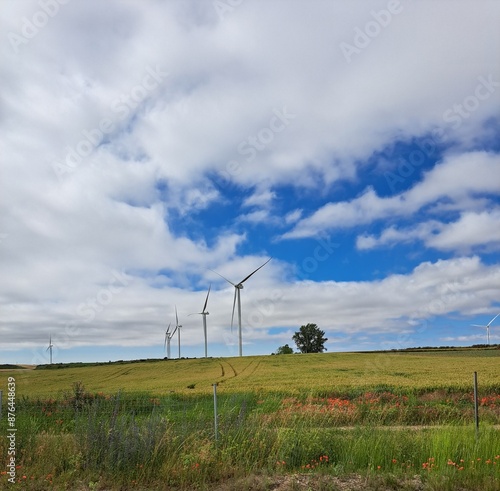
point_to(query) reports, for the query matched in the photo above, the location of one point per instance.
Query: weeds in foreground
(118, 442)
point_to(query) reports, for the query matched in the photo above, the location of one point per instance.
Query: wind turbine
(168, 336)
(204, 313)
(237, 288)
(487, 326)
(178, 329)
(49, 349)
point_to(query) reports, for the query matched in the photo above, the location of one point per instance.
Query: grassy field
(338, 421)
(315, 373)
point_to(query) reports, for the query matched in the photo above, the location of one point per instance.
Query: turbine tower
(49, 349)
(237, 288)
(204, 313)
(487, 327)
(168, 337)
(178, 329)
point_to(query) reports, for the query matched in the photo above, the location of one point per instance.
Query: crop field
(397, 420)
(294, 374)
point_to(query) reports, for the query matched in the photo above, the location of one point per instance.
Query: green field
(293, 374)
(378, 421)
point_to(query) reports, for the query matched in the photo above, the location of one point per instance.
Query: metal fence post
(215, 412)
(476, 405)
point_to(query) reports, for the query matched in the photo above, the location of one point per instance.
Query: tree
(284, 350)
(310, 339)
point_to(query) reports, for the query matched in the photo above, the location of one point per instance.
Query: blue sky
(145, 144)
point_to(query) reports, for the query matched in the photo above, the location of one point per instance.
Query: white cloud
(293, 216)
(471, 230)
(458, 178)
(262, 198)
(218, 85)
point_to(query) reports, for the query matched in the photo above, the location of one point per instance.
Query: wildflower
(394, 461)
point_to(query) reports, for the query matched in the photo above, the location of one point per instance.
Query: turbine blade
(176, 318)
(172, 335)
(489, 323)
(242, 281)
(206, 300)
(477, 325)
(223, 277)
(234, 305)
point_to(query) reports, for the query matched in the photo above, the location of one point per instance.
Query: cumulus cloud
(470, 231)
(459, 179)
(116, 142)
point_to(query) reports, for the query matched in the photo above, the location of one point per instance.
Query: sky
(147, 144)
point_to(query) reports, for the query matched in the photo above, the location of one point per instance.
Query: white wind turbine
(178, 329)
(49, 349)
(168, 337)
(237, 288)
(487, 326)
(204, 313)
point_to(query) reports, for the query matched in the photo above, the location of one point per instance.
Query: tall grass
(124, 440)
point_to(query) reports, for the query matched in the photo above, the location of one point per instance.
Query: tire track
(233, 369)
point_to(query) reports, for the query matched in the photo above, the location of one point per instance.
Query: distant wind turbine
(487, 326)
(178, 329)
(168, 337)
(237, 288)
(49, 349)
(204, 313)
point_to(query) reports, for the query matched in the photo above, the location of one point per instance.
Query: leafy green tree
(310, 339)
(284, 350)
